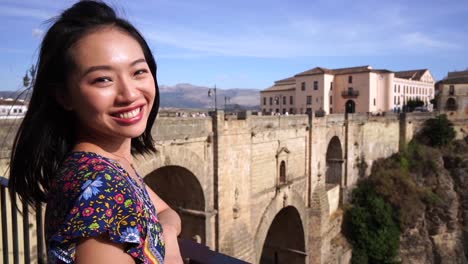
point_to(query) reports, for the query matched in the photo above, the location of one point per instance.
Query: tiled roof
(276, 88)
(316, 70)
(412, 75)
(349, 70)
(458, 80)
(287, 80)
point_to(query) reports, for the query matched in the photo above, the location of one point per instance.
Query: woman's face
(111, 90)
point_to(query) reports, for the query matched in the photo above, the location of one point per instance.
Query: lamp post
(226, 100)
(210, 92)
(278, 99)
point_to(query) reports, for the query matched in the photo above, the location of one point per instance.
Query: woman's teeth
(130, 114)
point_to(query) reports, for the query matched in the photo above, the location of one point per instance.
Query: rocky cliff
(438, 232)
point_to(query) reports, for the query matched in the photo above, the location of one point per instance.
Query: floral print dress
(94, 196)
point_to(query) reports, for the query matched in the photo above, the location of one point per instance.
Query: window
(291, 101)
(315, 85)
(452, 89)
(264, 100)
(291, 111)
(309, 100)
(331, 99)
(394, 89)
(15, 111)
(331, 110)
(394, 99)
(398, 88)
(303, 86)
(277, 100)
(282, 172)
(374, 101)
(350, 79)
(271, 101)
(284, 100)
(331, 86)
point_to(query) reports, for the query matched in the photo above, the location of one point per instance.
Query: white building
(12, 109)
(355, 89)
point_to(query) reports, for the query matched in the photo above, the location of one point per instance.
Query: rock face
(440, 234)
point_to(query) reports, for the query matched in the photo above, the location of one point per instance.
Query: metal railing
(350, 93)
(192, 252)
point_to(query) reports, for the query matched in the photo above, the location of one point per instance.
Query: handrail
(192, 252)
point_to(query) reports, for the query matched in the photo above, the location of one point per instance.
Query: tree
(372, 227)
(413, 103)
(437, 132)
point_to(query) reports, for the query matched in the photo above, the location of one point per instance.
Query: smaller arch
(451, 104)
(334, 159)
(350, 107)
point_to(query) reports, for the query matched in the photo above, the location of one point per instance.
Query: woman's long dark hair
(47, 132)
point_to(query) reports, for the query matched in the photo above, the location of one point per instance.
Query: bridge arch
(179, 177)
(285, 213)
(182, 191)
(334, 161)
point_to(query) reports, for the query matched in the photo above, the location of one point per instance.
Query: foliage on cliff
(372, 227)
(437, 132)
(396, 194)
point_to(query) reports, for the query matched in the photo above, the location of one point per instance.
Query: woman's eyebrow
(107, 67)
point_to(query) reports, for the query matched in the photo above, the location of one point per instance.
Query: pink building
(355, 89)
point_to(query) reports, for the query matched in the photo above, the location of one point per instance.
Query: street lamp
(278, 99)
(226, 100)
(210, 92)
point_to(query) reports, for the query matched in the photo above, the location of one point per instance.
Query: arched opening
(282, 172)
(350, 107)
(180, 189)
(451, 104)
(334, 158)
(285, 241)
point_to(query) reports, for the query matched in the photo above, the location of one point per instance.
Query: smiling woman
(94, 102)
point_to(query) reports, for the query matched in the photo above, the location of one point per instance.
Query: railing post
(40, 234)
(14, 223)
(27, 257)
(4, 225)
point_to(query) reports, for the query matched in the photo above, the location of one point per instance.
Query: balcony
(31, 249)
(350, 94)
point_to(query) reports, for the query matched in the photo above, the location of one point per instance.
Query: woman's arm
(99, 250)
(171, 224)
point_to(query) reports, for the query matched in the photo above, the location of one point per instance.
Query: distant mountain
(22, 94)
(190, 96)
(186, 95)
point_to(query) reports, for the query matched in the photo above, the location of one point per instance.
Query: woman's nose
(128, 91)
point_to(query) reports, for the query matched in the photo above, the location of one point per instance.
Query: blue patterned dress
(94, 196)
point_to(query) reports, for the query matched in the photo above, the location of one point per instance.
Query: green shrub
(437, 132)
(371, 227)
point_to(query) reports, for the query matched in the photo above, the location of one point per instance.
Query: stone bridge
(267, 189)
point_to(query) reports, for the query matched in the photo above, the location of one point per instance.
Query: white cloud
(25, 12)
(420, 40)
(36, 32)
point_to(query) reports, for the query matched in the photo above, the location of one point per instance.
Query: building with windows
(453, 93)
(354, 89)
(12, 109)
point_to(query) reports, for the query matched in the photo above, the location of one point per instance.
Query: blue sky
(252, 43)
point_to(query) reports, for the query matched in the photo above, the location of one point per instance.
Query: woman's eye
(138, 72)
(102, 80)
